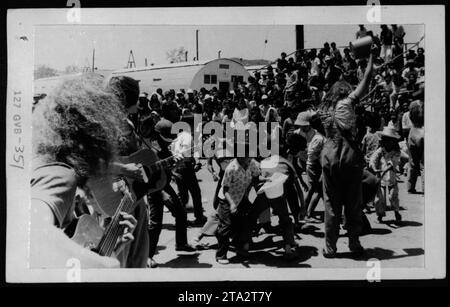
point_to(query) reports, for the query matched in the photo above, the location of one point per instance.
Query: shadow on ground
(267, 242)
(168, 227)
(395, 224)
(377, 231)
(312, 230)
(275, 258)
(185, 261)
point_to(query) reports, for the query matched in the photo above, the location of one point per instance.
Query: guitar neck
(164, 163)
(114, 230)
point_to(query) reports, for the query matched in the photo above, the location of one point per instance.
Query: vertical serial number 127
(19, 148)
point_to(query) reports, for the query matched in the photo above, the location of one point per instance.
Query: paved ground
(396, 246)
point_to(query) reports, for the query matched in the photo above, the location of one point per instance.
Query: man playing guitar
(162, 137)
(75, 133)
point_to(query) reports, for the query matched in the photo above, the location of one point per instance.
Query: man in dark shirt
(398, 33)
(282, 63)
(333, 73)
(361, 32)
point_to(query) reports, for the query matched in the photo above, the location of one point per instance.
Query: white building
(220, 73)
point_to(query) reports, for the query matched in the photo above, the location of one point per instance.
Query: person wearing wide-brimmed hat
(315, 142)
(157, 200)
(384, 161)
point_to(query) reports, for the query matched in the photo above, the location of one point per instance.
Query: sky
(59, 46)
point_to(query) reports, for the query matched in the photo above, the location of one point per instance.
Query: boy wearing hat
(315, 142)
(384, 161)
(240, 175)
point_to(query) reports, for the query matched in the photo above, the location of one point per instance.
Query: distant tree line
(44, 71)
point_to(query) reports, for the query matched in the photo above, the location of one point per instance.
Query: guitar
(89, 234)
(107, 200)
(155, 171)
(110, 201)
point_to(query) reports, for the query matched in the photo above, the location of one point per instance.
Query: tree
(72, 69)
(176, 55)
(43, 71)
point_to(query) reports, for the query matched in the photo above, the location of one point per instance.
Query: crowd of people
(346, 128)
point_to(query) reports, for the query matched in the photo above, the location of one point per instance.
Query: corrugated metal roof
(173, 65)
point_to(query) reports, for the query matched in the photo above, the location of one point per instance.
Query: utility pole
(186, 56)
(299, 38)
(196, 42)
(93, 60)
(145, 61)
(131, 61)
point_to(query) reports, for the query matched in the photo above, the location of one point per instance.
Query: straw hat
(390, 132)
(303, 119)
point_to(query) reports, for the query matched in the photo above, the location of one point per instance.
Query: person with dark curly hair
(76, 135)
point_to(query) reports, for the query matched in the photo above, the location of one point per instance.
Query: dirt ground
(395, 245)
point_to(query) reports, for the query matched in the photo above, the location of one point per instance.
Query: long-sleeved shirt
(313, 166)
(380, 160)
(406, 121)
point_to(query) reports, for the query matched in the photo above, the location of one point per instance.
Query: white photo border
(21, 25)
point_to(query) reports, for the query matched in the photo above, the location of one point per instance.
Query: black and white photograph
(214, 144)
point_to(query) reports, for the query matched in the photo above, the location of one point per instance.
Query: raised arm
(363, 85)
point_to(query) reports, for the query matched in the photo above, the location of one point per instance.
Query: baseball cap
(164, 128)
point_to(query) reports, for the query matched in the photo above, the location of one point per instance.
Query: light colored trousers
(391, 192)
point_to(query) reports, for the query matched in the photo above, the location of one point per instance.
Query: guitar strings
(118, 229)
(104, 245)
(115, 228)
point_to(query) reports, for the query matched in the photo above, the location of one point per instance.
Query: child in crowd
(384, 161)
(233, 206)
